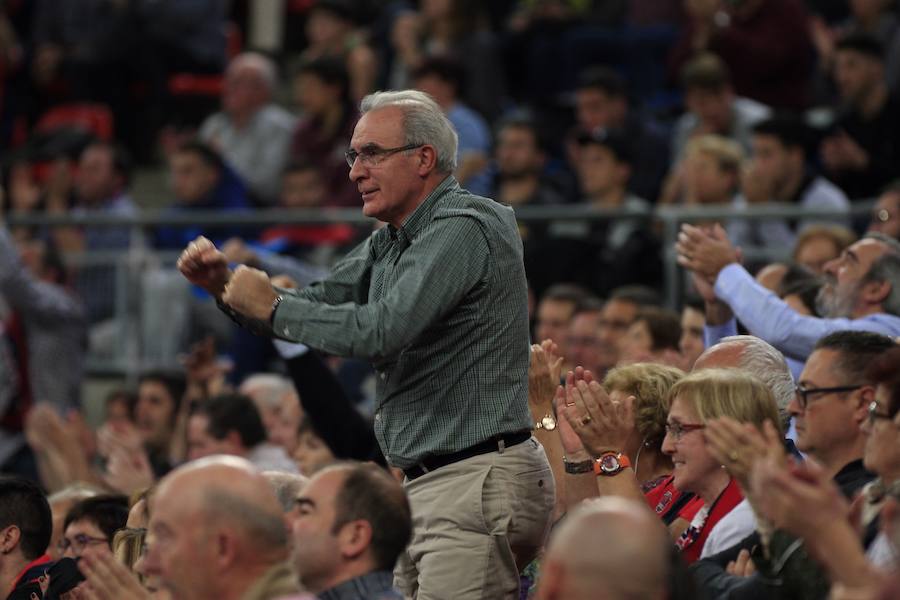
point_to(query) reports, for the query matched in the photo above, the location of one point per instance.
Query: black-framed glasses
(79, 542)
(874, 415)
(679, 430)
(803, 393)
(370, 154)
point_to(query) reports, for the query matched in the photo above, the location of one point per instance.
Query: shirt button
(383, 375)
(286, 332)
(377, 416)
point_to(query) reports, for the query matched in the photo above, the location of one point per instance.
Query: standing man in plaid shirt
(437, 301)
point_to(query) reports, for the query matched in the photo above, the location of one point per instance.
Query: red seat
(94, 118)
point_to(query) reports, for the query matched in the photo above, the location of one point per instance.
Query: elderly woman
(601, 425)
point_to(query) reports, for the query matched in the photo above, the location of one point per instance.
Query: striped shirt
(439, 305)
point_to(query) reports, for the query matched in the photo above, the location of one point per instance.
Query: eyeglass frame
(372, 154)
(873, 414)
(82, 541)
(801, 392)
(678, 430)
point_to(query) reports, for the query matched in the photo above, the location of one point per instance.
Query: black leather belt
(492, 445)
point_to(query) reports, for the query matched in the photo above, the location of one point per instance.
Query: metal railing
(127, 357)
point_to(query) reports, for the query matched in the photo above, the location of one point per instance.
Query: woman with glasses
(700, 490)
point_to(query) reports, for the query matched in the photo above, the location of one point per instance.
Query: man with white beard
(861, 292)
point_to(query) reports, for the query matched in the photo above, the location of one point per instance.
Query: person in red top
(25, 527)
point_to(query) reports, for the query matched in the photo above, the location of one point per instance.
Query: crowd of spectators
(744, 445)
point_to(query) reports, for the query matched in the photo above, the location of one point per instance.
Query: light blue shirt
(768, 317)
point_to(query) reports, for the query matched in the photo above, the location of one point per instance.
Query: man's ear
(865, 397)
(875, 292)
(9, 538)
(427, 160)
(355, 538)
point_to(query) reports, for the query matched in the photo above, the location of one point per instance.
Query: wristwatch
(547, 422)
(610, 463)
(576, 468)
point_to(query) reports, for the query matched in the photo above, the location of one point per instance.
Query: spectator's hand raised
(705, 252)
(205, 265)
(543, 376)
(108, 579)
(738, 446)
(601, 424)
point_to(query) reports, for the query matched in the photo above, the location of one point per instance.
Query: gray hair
(261, 64)
(286, 486)
(760, 359)
(886, 268)
(266, 389)
(423, 123)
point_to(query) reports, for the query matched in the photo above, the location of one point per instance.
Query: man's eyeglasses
(874, 415)
(803, 393)
(678, 430)
(371, 155)
(79, 542)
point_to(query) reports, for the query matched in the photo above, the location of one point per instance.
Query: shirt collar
(364, 586)
(41, 560)
(422, 214)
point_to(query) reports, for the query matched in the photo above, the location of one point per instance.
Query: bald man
(607, 549)
(217, 532)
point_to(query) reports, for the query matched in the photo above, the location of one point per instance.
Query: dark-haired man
(230, 424)
(350, 525)
(25, 527)
(779, 172)
(861, 154)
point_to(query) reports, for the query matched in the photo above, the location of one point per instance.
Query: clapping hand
(705, 251)
(601, 424)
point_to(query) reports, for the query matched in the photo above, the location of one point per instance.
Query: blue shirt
(768, 317)
(377, 585)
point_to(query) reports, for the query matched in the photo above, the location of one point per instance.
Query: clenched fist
(204, 265)
(250, 293)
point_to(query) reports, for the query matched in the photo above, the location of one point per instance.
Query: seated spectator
(836, 368)
(693, 402)
(520, 159)
(886, 213)
(100, 187)
(859, 153)
(860, 292)
(156, 412)
(606, 548)
(225, 499)
(693, 320)
(26, 524)
(555, 310)
(119, 407)
(331, 31)
(620, 251)
(441, 78)
(271, 394)
(602, 102)
(251, 133)
(311, 453)
(456, 29)
(200, 180)
(713, 107)
(353, 522)
(60, 504)
(321, 89)
(582, 339)
(287, 488)
(652, 337)
(230, 424)
(712, 170)
(817, 245)
(91, 524)
(765, 43)
(778, 172)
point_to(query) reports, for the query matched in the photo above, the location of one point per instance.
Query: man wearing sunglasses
(437, 300)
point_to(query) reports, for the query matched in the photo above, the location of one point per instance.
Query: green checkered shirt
(439, 306)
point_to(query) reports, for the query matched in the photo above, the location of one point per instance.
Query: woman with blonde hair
(601, 424)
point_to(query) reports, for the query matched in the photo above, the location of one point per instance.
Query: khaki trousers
(476, 524)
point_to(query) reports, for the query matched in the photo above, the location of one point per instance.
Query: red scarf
(694, 537)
